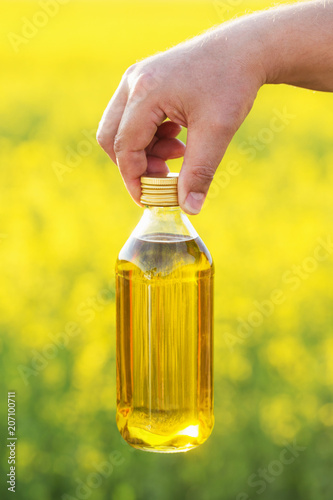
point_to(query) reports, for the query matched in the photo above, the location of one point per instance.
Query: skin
(208, 84)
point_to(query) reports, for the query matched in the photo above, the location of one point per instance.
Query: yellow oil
(165, 343)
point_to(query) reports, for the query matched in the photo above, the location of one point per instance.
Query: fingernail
(194, 202)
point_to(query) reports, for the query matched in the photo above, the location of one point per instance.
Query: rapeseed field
(64, 215)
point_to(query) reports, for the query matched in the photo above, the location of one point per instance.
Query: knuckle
(131, 69)
(203, 174)
(118, 145)
(143, 86)
(101, 138)
(221, 127)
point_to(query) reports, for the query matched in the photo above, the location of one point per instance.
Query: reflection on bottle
(164, 283)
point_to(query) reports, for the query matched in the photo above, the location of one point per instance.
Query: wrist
(242, 41)
(260, 46)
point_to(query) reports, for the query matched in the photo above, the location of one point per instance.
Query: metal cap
(159, 190)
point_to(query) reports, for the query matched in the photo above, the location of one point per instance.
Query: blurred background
(64, 215)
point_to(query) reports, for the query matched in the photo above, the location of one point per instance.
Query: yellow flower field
(64, 215)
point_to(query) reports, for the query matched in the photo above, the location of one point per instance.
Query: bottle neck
(164, 212)
(167, 221)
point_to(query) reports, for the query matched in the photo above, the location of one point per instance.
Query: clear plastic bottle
(164, 290)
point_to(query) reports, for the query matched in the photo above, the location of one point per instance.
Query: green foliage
(64, 215)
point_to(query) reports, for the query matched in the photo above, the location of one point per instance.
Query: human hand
(207, 84)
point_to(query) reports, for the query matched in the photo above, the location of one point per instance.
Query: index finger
(138, 125)
(109, 123)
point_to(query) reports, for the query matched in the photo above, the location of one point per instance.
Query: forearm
(297, 44)
(208, 84)
(290, 44)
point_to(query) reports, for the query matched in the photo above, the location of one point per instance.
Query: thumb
(205, 147)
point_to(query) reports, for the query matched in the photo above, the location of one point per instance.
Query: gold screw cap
(159, 190)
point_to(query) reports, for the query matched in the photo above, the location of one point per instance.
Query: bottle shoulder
(165, 256)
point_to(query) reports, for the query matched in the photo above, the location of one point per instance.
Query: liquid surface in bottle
(165, 342)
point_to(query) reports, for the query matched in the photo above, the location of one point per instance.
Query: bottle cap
(159, 190)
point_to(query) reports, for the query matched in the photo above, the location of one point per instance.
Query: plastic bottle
(164, 295)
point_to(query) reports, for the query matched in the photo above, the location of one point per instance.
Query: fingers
(138, 126)
(168, 129)
(156, 165)
(111, 118)
(167, 148)
(206, 145)
(134, 134)
(136, 137)
(162, 150)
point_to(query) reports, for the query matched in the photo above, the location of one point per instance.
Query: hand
(207, 84)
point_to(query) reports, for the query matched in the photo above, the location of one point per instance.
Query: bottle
(164, 303)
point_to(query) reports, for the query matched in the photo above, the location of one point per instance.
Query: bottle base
(144, 436)
(164, 449)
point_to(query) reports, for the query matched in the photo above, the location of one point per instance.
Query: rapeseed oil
(164, 284)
